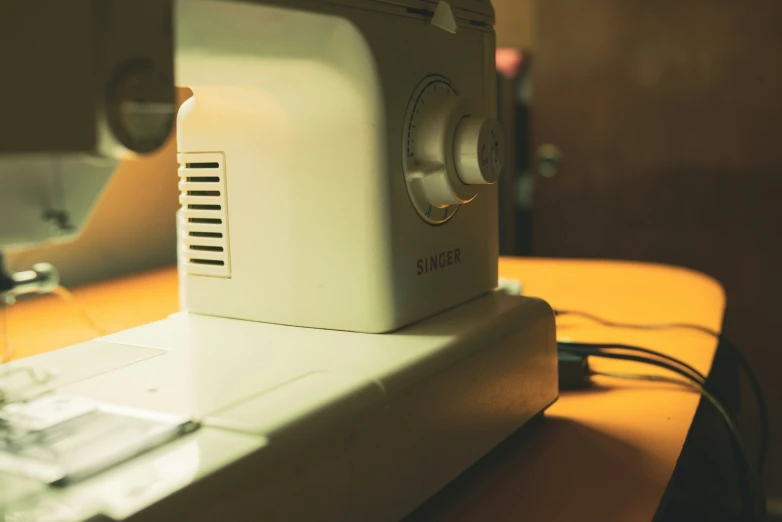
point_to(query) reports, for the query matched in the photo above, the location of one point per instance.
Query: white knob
(434, 146)
(449, 149)
(478, 150)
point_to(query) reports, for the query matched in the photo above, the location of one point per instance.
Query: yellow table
(612, 449)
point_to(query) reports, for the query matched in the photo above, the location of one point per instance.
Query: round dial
(447, 149)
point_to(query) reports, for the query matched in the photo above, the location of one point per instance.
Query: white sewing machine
(336, 167)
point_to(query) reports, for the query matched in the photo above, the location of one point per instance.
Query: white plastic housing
(299, 424)
(307, 110)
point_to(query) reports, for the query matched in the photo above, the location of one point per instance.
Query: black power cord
(757, 389)
(6, 283)
(752, 494)
(693, 373)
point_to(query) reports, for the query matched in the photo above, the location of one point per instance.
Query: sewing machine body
(300, 424)
(301, 119)
(337, 163)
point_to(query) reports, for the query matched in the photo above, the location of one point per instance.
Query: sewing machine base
(301, 424)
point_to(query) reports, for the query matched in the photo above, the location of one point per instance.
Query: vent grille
(203, 218)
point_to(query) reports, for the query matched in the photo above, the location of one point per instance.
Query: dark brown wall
(669, 115)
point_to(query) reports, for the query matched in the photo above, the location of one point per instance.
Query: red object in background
(509, 61)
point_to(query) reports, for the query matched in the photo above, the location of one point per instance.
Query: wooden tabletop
(603, 454)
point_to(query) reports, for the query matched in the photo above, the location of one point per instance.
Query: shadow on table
(704, 485)
(552, 469)
(592, 389)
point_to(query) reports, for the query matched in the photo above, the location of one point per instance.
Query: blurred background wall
(668, 119)
(514, 26)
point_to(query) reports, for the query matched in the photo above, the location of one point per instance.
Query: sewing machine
(342, 351)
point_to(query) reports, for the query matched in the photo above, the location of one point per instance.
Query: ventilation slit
(203, 165)
(205, 221)
(214, 235)
(204, 248)
(213, 262)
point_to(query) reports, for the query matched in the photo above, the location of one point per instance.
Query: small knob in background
(478, 150)
(549, 158)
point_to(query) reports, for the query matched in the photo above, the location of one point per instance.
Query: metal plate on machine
(30, 377)
(60, 439)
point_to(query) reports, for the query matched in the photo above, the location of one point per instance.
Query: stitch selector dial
(448, 147)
